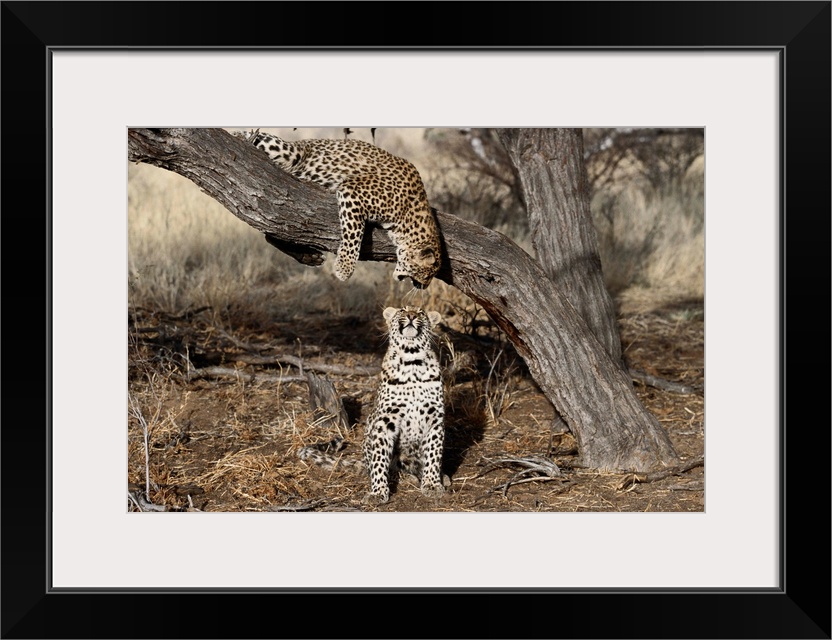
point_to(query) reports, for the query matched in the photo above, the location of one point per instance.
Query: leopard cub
(407, 421)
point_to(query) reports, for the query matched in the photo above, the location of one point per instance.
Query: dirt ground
(226, 412)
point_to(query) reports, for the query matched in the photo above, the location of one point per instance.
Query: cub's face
(410, 324)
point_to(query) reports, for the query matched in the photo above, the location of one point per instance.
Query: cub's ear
(435, 318)
(389, 312)
(427, 257)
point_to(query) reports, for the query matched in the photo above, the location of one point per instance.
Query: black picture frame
(799, 31)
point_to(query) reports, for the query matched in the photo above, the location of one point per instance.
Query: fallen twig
(245, 346)
(631, 479)
(546, 469)
(660, 383)
(691, 486)
(513, 481)
(531, 464)
(311, 505)
(239, 374)
(303, 365)
(143, 505)
(253, 357)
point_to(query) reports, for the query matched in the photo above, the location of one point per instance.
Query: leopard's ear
(435, 318)
(427, 257)
(389, 312)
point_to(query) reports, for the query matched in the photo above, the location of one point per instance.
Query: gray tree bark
(550, 166)
(614, 431)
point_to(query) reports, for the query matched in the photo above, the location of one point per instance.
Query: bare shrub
(472, 176)
(662, 157)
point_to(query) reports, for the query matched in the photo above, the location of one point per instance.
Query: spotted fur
(371, 185)
(328, 454)
(407, 421)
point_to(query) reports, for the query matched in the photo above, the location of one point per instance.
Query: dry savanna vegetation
(225, 334)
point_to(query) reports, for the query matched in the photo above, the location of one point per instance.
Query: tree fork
(614, 431)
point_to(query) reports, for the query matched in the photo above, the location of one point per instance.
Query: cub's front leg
(379, 442)
(433, 441)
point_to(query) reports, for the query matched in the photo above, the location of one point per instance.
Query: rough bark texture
(550, 165)
(589, 389)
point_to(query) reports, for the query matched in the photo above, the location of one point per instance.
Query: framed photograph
(752, 560)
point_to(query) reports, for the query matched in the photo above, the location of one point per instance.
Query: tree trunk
(550, 165)
(614, 431)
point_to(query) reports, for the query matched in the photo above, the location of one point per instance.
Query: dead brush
(241, 473)
(455, 364)
(151, 410)
(498, 386)
(142, 502)
(154, 411)
(246, 466)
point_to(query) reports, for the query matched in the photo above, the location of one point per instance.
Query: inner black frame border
(799, 31)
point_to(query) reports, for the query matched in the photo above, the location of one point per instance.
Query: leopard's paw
(375, 498)
(433, 490)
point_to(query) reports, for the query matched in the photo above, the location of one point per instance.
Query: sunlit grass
(653, 239)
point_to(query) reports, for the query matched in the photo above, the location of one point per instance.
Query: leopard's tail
(326, 454)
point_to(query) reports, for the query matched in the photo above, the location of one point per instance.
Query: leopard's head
(419, 263)
(411, 323)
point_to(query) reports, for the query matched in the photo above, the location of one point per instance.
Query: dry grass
(186, 251)
(653, 239)
(231, 444)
